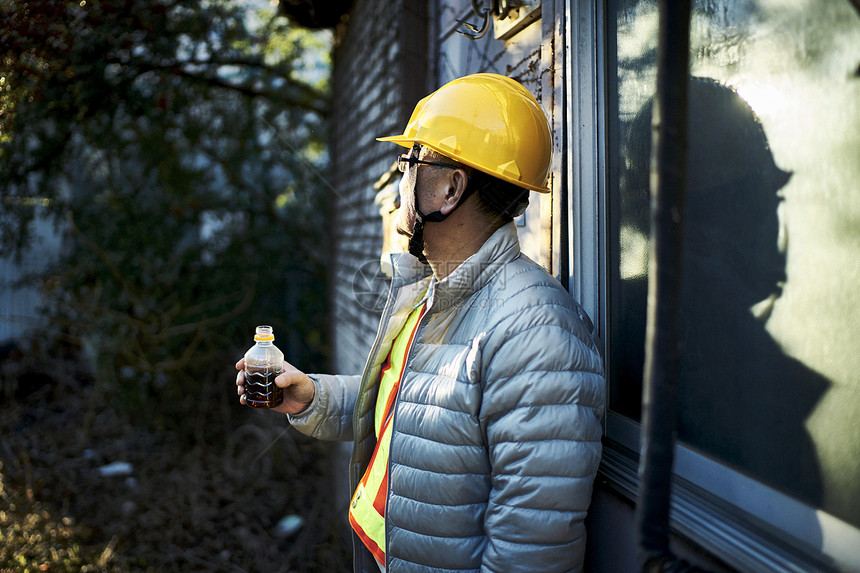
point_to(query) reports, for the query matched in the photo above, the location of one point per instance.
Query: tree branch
(306, 101)
(307, 98)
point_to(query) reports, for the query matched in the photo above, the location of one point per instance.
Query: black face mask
(416, 241)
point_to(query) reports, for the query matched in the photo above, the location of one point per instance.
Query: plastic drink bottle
(263, 363)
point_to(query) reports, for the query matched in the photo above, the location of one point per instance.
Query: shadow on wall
(741, 399)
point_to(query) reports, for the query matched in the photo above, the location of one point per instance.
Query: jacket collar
(470, 276)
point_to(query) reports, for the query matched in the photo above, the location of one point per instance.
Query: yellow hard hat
(486, 121)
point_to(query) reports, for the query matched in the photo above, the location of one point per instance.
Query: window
(769, 393)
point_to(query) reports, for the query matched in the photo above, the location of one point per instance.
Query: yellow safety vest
(367, 510)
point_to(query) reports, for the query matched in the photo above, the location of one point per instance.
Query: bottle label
(260, 388)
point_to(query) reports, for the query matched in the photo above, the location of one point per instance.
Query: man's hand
(298, 388)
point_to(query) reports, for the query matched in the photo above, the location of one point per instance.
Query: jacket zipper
(406, 362)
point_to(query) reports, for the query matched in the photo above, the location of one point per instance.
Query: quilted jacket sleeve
(329, 417)
(543, 403)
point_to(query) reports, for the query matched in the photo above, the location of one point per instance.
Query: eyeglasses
(405, 162)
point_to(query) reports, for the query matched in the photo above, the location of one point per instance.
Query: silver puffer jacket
(497, 425)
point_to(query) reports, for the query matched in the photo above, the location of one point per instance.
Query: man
(477, 420)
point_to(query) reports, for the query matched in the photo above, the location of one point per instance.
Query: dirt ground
(229, 489)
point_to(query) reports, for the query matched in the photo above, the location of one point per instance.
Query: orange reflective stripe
(381, 494)
(367, 508)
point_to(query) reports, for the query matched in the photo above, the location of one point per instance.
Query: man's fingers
(286, 379)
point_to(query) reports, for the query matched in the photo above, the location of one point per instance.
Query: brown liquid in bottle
(260, 388)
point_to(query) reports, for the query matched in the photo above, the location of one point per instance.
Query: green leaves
(176, 144)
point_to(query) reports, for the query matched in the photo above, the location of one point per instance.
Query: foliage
(178, 146)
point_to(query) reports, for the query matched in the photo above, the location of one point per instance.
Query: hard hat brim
(398, 139)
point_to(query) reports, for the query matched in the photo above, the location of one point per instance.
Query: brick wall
(379, 73)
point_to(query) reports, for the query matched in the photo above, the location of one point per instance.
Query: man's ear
(457, 183)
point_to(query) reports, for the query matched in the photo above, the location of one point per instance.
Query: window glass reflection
(769, 307)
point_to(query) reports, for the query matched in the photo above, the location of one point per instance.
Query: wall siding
(519, 57)
(19, 305)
